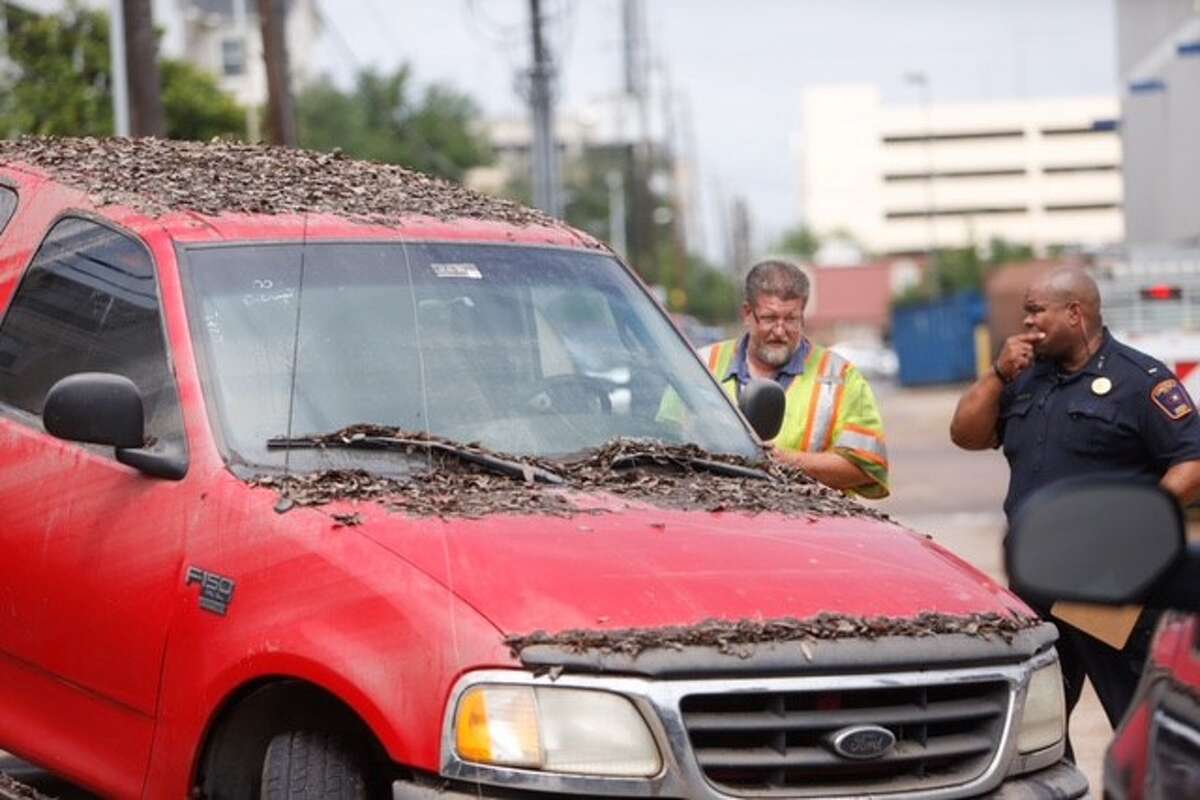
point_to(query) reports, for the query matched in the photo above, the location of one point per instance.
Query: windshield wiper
(503, 466)
(705, 464)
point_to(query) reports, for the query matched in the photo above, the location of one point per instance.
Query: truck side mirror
(762, 403)
(103, 408)
(95, 407)
(1096, 543)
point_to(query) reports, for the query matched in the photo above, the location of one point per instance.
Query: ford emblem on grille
(862, 742)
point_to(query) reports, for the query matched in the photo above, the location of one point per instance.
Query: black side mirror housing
(1099, 542)
(95, 407)
(103, 408)
(762, 403)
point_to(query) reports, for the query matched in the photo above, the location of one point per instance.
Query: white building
(905, 179)
(215, 38)
(1158, 49)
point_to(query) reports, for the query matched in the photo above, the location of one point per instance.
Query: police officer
(831, 426)
(1068, 401)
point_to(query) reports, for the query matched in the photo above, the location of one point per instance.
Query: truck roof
(231, 190)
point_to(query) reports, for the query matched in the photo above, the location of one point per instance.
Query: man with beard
(831, 426)
(1069, 402)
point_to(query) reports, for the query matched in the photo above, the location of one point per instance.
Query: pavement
(956, 496)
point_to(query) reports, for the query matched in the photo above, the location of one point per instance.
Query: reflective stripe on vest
(825, 402)
(865, 443)
(814, 398)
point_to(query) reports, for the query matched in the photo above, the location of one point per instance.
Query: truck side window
(8, 204)
(88, 303)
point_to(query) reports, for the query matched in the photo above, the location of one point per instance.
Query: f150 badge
(216, 591)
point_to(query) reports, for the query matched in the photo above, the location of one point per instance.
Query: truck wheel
(311, 765)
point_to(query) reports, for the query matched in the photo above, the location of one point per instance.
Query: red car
(1118, 544)
(292, 505)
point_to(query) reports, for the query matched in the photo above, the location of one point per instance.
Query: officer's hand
(1017, 354)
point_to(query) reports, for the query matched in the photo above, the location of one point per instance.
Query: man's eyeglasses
(769, 321)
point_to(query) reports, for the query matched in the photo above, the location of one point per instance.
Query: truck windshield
(526, 350)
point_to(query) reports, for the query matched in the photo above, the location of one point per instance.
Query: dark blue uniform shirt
(1124, 416)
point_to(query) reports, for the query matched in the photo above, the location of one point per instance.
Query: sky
(739, 67)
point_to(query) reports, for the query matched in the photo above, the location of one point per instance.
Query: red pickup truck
(325, 479)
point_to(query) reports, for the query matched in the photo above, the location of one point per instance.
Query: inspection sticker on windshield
(456, 271)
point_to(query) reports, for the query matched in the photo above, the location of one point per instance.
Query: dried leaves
(735, 637)
(12, 790)
(670, 476)
(458, 491)
(155, 176)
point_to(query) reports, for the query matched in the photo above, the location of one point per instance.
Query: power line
(327, 22)
(498, 34)
(382, 19)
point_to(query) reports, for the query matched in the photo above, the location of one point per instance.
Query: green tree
(800, 241)
(381, 120)
(58, 82)
(961, 269)
(195, 106)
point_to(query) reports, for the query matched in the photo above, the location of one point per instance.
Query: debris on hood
(666, 475)
(452, 490)
(155, 176)
(736, 637)
(12, 790)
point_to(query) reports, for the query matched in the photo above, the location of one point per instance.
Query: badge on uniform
(1171, 399)
(1101, 386)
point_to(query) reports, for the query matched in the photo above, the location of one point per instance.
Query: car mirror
(762, 403)
(1098, 543)
(95, 407)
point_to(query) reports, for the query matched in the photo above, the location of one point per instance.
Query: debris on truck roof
(735, 637)
(155, 176)
(669, 476)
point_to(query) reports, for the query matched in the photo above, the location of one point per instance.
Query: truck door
(92, 547)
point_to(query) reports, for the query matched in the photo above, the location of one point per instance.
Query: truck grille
(773, 743)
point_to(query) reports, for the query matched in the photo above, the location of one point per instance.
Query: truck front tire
(314, 765)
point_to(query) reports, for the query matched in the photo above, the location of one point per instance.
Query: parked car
(873, 359)
(304, 493)
(1119, 544)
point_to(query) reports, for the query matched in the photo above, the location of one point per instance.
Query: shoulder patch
(1171, 399)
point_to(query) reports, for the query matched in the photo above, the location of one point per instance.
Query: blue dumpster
(935, 342)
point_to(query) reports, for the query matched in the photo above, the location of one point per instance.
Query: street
(956, 496)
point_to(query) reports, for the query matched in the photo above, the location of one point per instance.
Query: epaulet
(1151, 367)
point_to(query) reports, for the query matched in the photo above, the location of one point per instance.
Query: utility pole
(146, 116)
(281, 123)
(642, 244)
(615, 179)
(541, 102)
(120, 83)
(243, 28)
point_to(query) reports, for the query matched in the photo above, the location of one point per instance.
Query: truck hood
(650, 567)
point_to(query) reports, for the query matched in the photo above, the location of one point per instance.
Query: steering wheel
(570, 393)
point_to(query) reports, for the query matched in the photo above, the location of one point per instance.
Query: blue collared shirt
(1124, 416)
(739, 367)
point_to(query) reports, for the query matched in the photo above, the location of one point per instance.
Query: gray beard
(775, 355)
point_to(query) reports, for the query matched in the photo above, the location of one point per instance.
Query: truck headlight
(554, 729)
(1044, 717)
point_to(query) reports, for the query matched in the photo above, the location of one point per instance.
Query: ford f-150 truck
(309, 487)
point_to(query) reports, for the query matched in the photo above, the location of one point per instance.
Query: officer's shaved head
(1073, 285)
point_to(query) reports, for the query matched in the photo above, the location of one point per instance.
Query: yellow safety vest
(830, 406)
